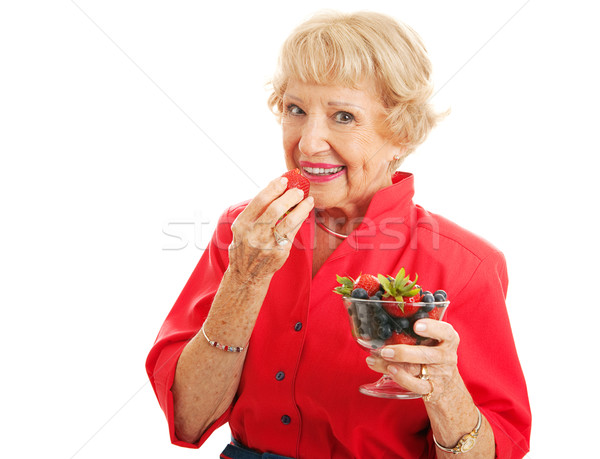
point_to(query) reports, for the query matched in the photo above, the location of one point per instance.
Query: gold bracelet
(466, 443)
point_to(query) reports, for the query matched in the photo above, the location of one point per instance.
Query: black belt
(235, 450)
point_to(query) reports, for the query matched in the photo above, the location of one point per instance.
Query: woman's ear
(397, 157)
(398, 153)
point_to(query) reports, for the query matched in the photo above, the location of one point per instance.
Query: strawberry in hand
(297, 180)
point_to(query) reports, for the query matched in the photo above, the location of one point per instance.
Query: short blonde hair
(344, 49)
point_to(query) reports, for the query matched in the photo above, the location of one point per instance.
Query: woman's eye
(293, 110)
(344, 117)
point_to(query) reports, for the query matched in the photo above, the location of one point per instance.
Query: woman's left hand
(403, 362)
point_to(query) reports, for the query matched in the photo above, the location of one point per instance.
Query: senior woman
(258, 339)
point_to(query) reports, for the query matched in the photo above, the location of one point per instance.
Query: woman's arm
(485, 362)
(455, 415)
(207, 378)
(450, 407)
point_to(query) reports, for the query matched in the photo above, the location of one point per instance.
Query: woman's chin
(323, 201)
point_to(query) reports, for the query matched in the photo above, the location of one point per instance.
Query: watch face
(467, 444)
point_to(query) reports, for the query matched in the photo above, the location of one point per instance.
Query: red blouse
(298, 395)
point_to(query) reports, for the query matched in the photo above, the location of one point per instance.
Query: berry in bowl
(382, 312)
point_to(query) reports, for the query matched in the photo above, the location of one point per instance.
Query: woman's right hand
(254, 252)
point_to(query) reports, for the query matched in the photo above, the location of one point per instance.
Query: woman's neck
(338, 221)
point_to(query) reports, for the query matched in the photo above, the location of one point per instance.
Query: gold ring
(279, 239)
(425, 376)
(426, 397)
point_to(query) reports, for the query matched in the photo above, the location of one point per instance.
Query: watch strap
(467, 441)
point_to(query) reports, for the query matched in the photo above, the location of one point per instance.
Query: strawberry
(297, 180)
(403, 290)
(401, 338)
(369, 282)
(409, 309)
(435, 313)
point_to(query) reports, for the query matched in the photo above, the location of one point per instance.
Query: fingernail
(283, 180)
(371, 361)
(392, 369)
(310, 200)
(387, 352)
(420, 326)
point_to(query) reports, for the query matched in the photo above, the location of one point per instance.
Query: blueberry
(419, 315)
(381, 318)
(360, 293)
(442, 294)
(379, 294)
(428, 298)
(375, 303)
(401, 323)
(384, 331)
(427, 307)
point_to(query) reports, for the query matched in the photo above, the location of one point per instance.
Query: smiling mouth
(320, 171)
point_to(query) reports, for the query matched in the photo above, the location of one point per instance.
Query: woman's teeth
(321, 171)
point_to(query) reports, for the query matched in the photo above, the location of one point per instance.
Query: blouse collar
(395, 200)
(397, 197)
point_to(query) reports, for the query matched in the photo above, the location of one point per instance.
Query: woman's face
(336, 136)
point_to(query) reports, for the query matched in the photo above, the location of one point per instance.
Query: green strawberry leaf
(411, 286)
(386, 284)
(399, 279)
(345, 281)
(401, 305)
(345, 289)
(412, 293)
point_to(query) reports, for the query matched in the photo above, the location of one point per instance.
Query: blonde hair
(344, 49)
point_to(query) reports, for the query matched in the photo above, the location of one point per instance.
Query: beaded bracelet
(220, 346)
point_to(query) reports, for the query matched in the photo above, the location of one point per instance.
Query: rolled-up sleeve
(185, 320)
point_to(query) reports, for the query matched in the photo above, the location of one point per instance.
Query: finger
(414, 354)
(405, 374)
(408, 380)
(277, 208)
(264, 198)
(380, 365)
(292, 222)
(442, 331)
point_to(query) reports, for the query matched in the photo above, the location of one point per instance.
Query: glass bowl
(378, 323)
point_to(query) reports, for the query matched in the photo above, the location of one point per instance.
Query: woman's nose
(314, 138)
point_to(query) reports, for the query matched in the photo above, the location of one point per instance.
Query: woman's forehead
(364, 88)
(333, 94)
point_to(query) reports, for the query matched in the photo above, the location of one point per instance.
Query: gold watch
(466, 443)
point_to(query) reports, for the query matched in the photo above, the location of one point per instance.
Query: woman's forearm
(452, 415)
(207, 378)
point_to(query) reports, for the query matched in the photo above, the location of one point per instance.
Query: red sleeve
(184, 321)
(487, 357)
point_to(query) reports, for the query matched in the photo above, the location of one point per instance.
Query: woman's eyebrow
(345, 104)
(291, 96)
(333, 103)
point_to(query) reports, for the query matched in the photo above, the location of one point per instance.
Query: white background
(122, 122)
